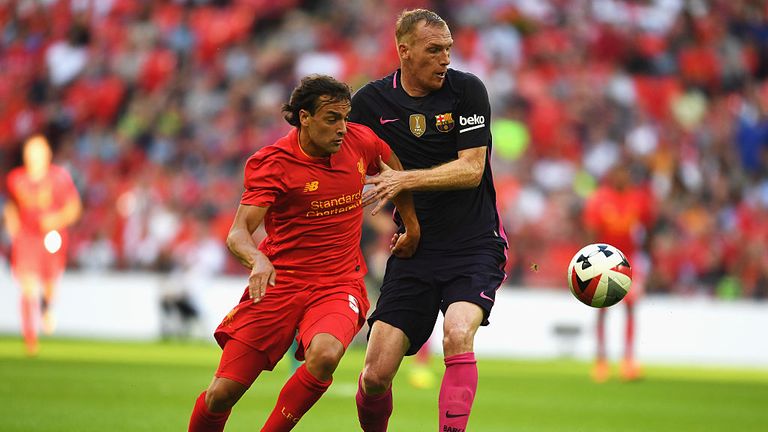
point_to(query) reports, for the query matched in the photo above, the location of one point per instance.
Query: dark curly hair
(307, 95)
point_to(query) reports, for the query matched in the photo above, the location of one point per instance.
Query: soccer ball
(599, 275)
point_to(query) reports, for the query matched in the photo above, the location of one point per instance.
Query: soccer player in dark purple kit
(437, 121)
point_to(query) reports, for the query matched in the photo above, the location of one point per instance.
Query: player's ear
(304, 118)
(402, 50)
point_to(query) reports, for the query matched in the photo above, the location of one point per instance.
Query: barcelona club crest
(418, 124)
(444, 122)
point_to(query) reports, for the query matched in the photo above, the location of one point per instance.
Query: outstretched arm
(462, 173)
(402, 245)
(240, 242)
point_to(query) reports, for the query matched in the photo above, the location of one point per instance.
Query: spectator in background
(752, 131)
(66, 59)
(42, 203)
(192, 264)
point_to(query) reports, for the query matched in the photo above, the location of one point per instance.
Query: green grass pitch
(82, 386)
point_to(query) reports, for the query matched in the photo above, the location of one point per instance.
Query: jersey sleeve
(371, 147)
(263, 181)
(11, 185)
(379, 149)
(65, 186)
(474, 115)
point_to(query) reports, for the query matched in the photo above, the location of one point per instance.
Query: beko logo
(474, 122)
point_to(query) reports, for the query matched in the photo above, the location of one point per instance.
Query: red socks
(28, 323)
(629, 340)
(373, 411)
(296, 398)
(601, 354)
(457, 392)
(203, 420)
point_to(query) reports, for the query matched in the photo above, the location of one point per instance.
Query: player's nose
(445, 58)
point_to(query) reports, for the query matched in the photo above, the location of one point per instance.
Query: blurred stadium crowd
(154, 106)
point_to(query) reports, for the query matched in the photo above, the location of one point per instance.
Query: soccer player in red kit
(306, 277)
(43, 203)
(620, 213)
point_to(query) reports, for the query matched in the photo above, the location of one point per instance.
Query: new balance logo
(382, 120)
(311, 186)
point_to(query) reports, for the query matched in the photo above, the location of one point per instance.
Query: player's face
(322, 133)
(620, 178)
(425, 58)
(37, 156)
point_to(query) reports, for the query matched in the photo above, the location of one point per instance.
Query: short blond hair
(408, 19)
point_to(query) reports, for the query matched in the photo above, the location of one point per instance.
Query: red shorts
(295, 309)
(28, 255)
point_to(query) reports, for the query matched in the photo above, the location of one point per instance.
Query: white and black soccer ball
(599, 275)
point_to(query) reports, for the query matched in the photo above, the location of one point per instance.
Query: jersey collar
(302, 155)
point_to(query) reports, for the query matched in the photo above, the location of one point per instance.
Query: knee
(458, 338)
(323, 360)
(376, 381)
(28, 288)
(221, 397)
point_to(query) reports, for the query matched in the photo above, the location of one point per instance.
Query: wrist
(413, 230)
(409, 180)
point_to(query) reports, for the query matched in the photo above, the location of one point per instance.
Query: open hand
(262, 274)
(403, 245)
(386, 186)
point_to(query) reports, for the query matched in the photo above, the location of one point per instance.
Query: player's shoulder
(378, 86)
(16, 172)
(15, 176)
(58, 171)
(359, 131)
(273, 153)
(602, 193)
(464, 83)
(361, 137)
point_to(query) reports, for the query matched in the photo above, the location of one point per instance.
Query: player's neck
(306, 147)
(410, 87)
(36, 174)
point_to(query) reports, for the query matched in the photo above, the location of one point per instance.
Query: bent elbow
(476, 179)
(476, 175)
(231, 241)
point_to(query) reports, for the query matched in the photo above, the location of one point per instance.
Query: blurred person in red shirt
(43, 202)
(620, 213)
(306, 275)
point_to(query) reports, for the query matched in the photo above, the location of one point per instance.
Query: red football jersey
(616, 216)
(34, 199)
(37, 198)
(314, 220)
